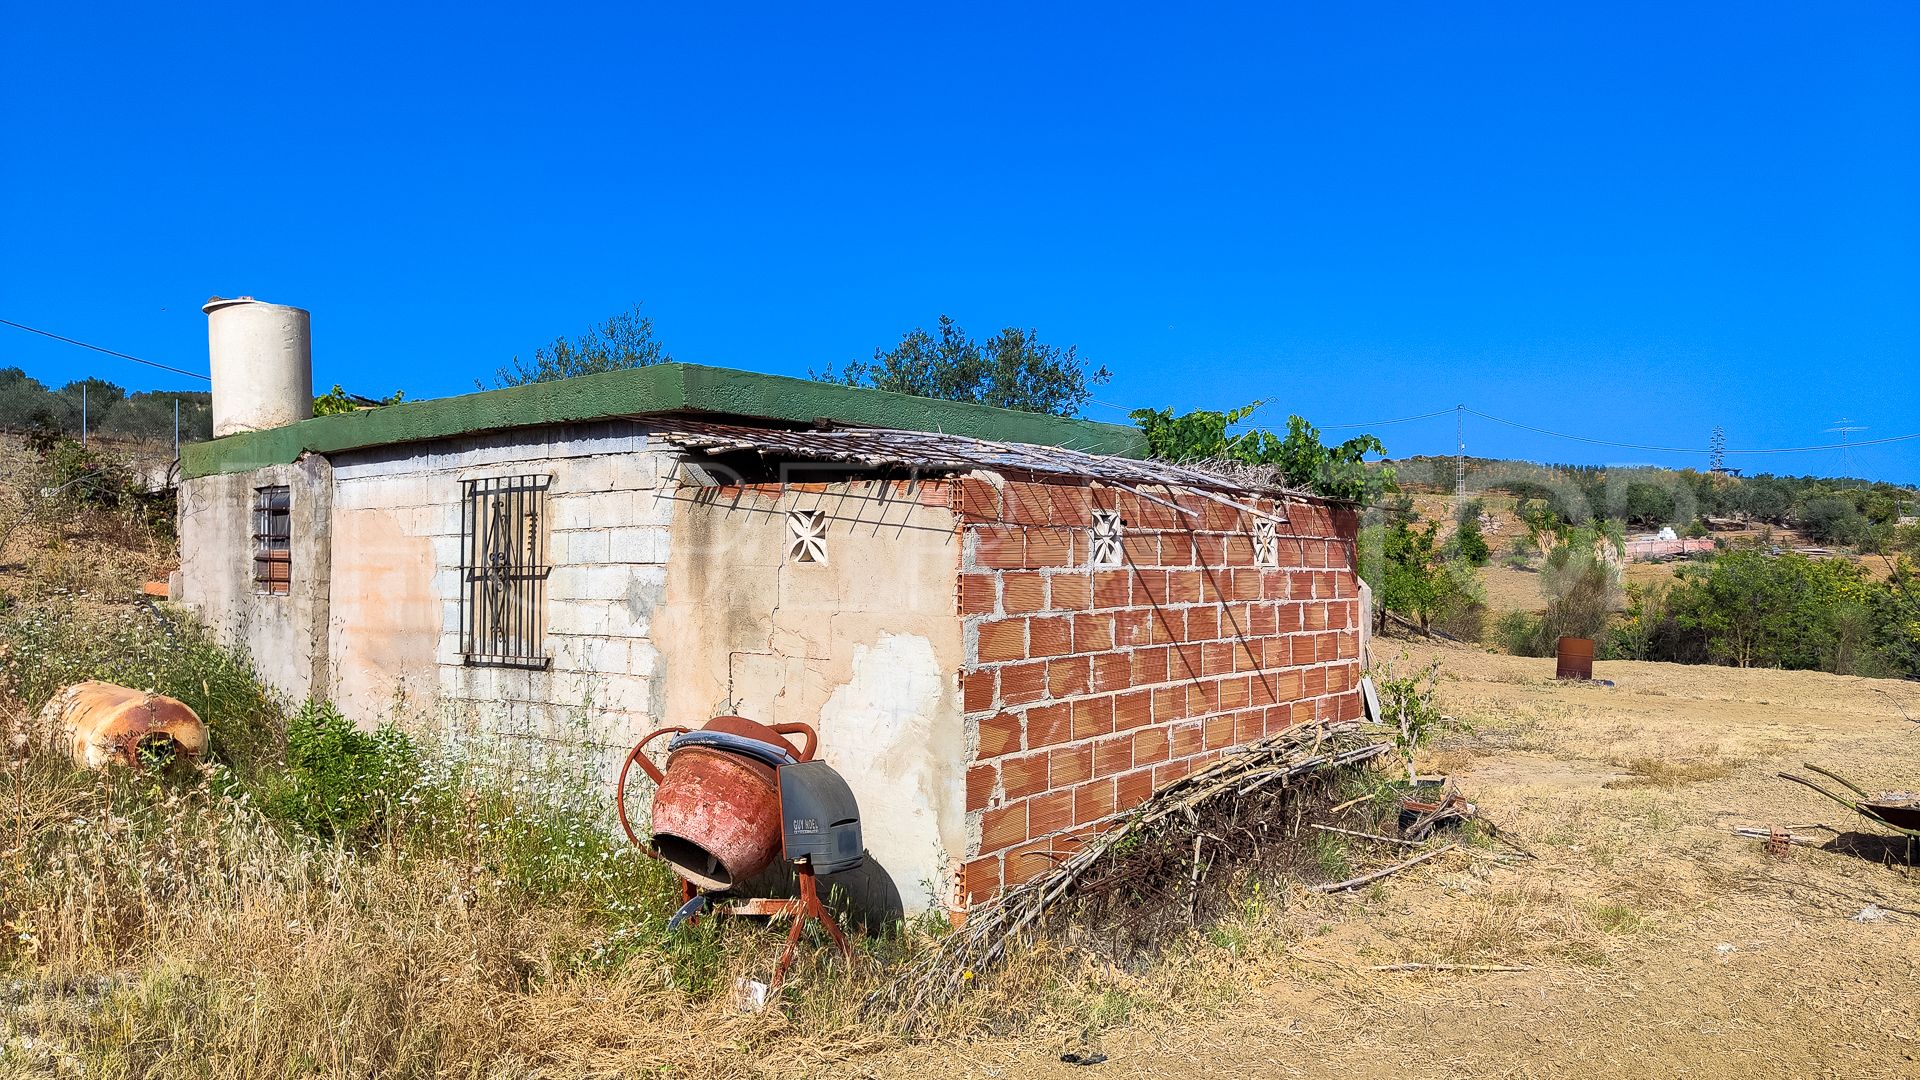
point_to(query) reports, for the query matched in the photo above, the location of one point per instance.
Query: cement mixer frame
(722, 795)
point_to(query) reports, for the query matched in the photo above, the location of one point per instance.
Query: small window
(807, 536)
(1266, 544)
(503, 571)
(1106, 538)
(272, 540)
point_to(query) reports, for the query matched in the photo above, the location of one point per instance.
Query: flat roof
(638, 392)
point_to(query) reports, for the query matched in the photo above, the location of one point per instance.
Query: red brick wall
(1086, 688)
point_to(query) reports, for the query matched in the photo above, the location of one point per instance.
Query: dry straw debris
(1207, 806)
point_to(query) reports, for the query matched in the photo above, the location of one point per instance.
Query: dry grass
(176, 932)
(1668, 773)
(55, 540)
(1654, 941)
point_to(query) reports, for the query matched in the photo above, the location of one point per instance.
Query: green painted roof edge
(662, 388)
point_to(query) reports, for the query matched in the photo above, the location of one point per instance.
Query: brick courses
(1086, 688)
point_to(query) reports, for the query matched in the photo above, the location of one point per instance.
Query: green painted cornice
(662, 388)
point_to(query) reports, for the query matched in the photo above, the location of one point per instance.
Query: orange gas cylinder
(716, 813)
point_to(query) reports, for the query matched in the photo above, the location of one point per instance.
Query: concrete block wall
(1087, 688)
(284, 635)
(397, 589)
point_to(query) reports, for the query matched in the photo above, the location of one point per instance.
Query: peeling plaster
(894, 713)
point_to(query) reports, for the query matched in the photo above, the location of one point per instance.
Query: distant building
(1665, 546)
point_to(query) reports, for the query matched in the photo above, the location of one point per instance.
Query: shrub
(1581, 585)
(1469, 543)
(1460, 603)
(1754, 609)
(75, 476)
(1407, 705)
(1521, 634)
(1518, 554)
(340, 783)
(1634, 636)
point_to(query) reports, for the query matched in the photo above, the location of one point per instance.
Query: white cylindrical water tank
(261, 356)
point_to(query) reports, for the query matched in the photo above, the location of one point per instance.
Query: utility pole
(1845, 427)
(176, 430)
(1460, 457)
(83, 414)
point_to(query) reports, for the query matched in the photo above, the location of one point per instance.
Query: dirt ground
(1655, 942)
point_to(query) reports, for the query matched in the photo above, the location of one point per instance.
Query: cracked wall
(865, 646)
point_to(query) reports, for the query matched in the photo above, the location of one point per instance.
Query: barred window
(272, 540)
(503, 571)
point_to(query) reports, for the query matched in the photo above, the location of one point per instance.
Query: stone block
(636, 544)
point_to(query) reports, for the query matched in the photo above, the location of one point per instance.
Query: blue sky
(1627, 221)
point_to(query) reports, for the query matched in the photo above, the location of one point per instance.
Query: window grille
(807, 536)
(503, 571)
(1266, 545)
(272, 540)
(1106, 538)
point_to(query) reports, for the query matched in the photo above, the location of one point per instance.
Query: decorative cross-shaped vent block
(1106, 538)
(807, 536)
(1266, 544)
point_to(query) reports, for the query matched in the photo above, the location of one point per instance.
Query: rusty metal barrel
(108, 723)
(1575, 659)
(716, 812)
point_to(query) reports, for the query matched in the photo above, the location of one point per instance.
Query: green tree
(623, 341)
(1412, 578)
(1646, 504)
(98, 395)
(1830, 519)
(1753, 609)
(1011, 370)
(1469, 543)
(25, 402)
(1545, 526)
(1300, 459)
(1765, 498)
(149, 415)
(337, 401)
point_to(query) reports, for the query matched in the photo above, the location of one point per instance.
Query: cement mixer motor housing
(820, 821)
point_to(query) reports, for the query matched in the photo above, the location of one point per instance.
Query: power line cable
(1709, 451)
(1689, 449)
(1384, 423)
(109, 352)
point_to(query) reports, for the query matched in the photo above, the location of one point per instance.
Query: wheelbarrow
(1898, 812)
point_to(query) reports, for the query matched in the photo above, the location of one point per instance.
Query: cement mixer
(735, 796)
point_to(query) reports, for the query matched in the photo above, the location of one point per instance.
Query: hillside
(490, 931)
